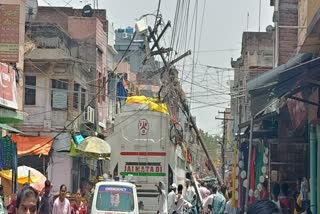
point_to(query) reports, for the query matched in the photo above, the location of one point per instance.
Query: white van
(115, 197)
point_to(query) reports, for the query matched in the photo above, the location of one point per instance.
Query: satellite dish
(269, 28)
(87, 11)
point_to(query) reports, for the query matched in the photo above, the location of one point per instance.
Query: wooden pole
(194, 126)
(29, 178)
(249, 168)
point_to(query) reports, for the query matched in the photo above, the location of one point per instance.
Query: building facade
(12, 22)
(256, 58)
(66, 76)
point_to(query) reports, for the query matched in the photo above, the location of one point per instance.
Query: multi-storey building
(66, 74)
(12, 31)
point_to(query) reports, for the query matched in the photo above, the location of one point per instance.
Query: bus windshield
(115, 198)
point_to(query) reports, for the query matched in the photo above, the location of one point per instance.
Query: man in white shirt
(162, 198)
(180, 202)
(207, 205)
(172, 198)
(189, 192)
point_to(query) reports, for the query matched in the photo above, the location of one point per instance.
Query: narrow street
(159, 107)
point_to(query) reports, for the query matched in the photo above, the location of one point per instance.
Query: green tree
(212, 144)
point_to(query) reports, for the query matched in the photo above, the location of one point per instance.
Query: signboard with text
(143, 167)
(7, 86)
(9, 32)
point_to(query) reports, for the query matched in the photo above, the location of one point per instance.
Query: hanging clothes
(258, 168)
(122, 93)
(9, 150)
(1, 154)
(252, 175)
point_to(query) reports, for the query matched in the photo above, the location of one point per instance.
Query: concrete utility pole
(195, 128)
(224, 119)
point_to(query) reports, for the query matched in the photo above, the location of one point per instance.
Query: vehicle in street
(115, 197)
(142, 151)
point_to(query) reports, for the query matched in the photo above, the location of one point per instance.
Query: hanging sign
(7, 87)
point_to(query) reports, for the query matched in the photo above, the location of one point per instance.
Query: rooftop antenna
(259, 15)
(248, 16)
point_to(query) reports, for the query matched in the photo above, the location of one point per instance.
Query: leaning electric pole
(169, 79)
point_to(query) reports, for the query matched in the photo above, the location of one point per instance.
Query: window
(83, 98)
(115, 198)
(30, 90)
(59, 94)
(76, 88)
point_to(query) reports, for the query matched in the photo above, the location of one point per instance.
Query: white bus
(142, 150)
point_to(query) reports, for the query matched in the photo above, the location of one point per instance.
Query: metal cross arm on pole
(180, 57)
(161, 34)
(156, 43)
(226, 119)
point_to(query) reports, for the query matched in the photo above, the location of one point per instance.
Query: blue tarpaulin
(121, 91)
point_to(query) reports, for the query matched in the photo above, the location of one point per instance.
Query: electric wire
(97, 94)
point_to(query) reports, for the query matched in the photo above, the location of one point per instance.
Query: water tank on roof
(31, 10)
(87, 11)
(129, 30)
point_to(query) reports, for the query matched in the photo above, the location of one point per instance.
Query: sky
(220, 40)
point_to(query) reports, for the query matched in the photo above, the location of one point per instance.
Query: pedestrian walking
(229, 209)
(172, 198)
(79, 207)
(181, 204)
(2, 208)
(219, 201)
(162, 200)
(189, 191)
(275, 194)
(204, 191)
(286, 202)
(27, 201)
(12, 208)
(62, 205)
(264, 206)
(46, 202)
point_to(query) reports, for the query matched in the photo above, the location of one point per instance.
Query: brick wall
(288, 38)
(60, 15)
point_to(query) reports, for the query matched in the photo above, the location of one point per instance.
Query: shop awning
(32, 145)
(280, 81)
(271, 77)
(9, 128)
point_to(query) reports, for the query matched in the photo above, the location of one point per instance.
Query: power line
(131, 116)
(96, 95)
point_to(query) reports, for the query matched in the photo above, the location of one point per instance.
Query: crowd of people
(214, 199)
(29, 200)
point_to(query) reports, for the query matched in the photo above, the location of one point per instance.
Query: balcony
(309, 26)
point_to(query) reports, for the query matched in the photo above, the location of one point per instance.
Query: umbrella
(94, 147)
(36, 179)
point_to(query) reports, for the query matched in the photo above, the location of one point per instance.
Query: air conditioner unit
(89, 115)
